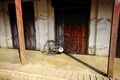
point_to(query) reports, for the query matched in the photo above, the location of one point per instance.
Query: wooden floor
(35, 72)
(54, 67)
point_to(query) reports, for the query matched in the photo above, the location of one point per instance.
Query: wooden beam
(20, 31)
(113, 41)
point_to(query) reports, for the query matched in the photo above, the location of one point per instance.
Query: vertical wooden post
(20, 31)
(113, 41)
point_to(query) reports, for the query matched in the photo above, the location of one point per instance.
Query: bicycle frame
(52, 47)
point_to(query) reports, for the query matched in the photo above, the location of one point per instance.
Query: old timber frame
(20, 31)
(113, 41)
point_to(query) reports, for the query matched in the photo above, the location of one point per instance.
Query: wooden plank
(80, 76)
(68, 75)
(113, 38)
(57, 73)
(93, 77)
(20, 31)
(62, 74)
(86, 77)
(74, 76)
(99, 78)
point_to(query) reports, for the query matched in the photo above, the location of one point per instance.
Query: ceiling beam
(12, 1)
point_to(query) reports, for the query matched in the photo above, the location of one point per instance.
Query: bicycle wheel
(66, 47)
(74, 47)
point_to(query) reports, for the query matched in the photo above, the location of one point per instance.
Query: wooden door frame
(28, 23)
(113, 42)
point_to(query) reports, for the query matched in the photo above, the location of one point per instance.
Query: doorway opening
(28, 22)
(118, 41)
(72, 17)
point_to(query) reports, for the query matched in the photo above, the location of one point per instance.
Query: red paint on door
(77, 25)
(73, 22)
(78, 33)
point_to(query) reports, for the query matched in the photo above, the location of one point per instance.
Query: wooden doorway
(118, 42)
(73, 17)
(29, 25)
(76, 23)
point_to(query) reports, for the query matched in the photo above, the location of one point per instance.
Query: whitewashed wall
(103, 27)
(99, 31)
(92, 28)
(51, 21)
(5, 29)
(44, 22)
(100, 27)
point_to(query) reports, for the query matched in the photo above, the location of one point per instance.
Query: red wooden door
(79, 34)
(76, 25)
(73, 21)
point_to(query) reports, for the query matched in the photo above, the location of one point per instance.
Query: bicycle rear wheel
(72, 47)
(75, 48)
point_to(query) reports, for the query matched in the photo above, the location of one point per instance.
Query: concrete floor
(83, 63)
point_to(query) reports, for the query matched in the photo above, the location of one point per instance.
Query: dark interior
(118, 41)
(29, 25)
(72, 16)
(71, 3)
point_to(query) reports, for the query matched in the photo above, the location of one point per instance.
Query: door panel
(76, 23)
(29, 25)
(13, 22)
(59, 26)
(83, 39)
(79, 34)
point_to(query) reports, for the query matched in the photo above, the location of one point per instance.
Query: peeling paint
(105, 19)
(103, 28)
(92, 28)
(44, 22)
(99, 30)
(5, 31)
(100, 27)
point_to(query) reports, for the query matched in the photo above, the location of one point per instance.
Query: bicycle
(53, 48)
(70, 46)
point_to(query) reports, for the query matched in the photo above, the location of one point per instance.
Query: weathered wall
(44, 22)
(51, 21)
(92, 28)
(99, 31)
(103, 27)
(5, 30)
(100, 27)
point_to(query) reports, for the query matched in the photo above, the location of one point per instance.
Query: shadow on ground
(86, 64)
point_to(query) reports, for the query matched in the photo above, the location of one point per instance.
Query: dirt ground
(76, 62)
